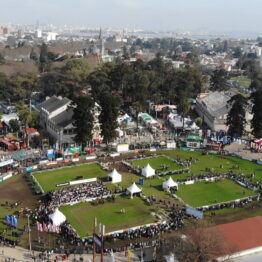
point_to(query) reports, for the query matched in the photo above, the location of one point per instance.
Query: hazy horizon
(188, 15)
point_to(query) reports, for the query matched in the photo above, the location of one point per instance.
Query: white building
(213, 109)
(56, 119)
(38, 33)
(51, 36)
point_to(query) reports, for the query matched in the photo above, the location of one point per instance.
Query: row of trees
(240, 105)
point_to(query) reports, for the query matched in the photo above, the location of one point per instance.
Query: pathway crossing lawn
(81, 216)
(243, 81)
(49, 179)
(218, 163)
(157, 162)
(208, 193)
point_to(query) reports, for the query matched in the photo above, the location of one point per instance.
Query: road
(251, 258)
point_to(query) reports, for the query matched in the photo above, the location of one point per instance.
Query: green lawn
(208, 193)
(49, 179)
(81, 216)
(217, 162)
(157, 162)
(243, 81)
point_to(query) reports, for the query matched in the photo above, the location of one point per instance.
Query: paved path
(250, 258)
(243, 150)
(19, 254)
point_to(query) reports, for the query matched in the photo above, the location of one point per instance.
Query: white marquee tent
(57, 217)
(115, 176)
(148, 171)
(169, 183)
(133, 189)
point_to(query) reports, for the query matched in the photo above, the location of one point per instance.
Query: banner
(194, 212)
(11, 221)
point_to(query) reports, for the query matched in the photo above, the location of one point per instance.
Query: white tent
(169, 183)
(115, 176)
(133, 189)
(57, 217)
(148, 171)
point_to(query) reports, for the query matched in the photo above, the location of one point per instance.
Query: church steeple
(100, 34)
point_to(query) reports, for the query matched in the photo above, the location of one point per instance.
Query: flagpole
(102, 240)
(94, 244)
(29, 235)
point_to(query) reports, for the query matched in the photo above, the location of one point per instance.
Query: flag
(14, 221)
(53, 228)
(39, 226)
(44, 227)
(58, 229)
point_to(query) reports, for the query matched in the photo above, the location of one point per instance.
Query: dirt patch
(17, 190)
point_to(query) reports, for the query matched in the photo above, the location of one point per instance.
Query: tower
(101, 43)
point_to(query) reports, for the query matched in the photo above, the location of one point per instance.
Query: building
(213, 109)
(56, 119)
(51, 36)
(38, 33)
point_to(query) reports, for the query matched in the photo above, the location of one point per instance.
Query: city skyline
(201, 16)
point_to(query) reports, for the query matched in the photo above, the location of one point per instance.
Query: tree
(26, 116)
(44, 61)
(2, 59)
(139, 108)
(33, 119)
(23, 113)
(202, 243)
(22, 85)
(183, 108)
(256, 122)
(108, 116)
(83, 119)
(33, 55)
(14, 124)
(5, 87)
(218, 80)
(236, 118)
(199, 121)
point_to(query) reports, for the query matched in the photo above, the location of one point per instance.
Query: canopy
(133, 189)
(148, 171)
(115, 176)
(169, 183)
(57, 217)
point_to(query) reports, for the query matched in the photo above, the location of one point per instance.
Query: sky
(191, 15)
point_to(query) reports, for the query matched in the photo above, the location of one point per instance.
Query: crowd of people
(76, 194)
(230, 204)
(240, 179)
(174, 222)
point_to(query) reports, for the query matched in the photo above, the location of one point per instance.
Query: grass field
(49, 179)
(243, 81)
(81, 216)
(157, 162)
(218, 163)
(208, 193)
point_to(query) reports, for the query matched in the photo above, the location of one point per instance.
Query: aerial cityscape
(130, 131)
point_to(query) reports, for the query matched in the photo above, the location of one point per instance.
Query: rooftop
(53, 103)
(215, 103)
(63, 119)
